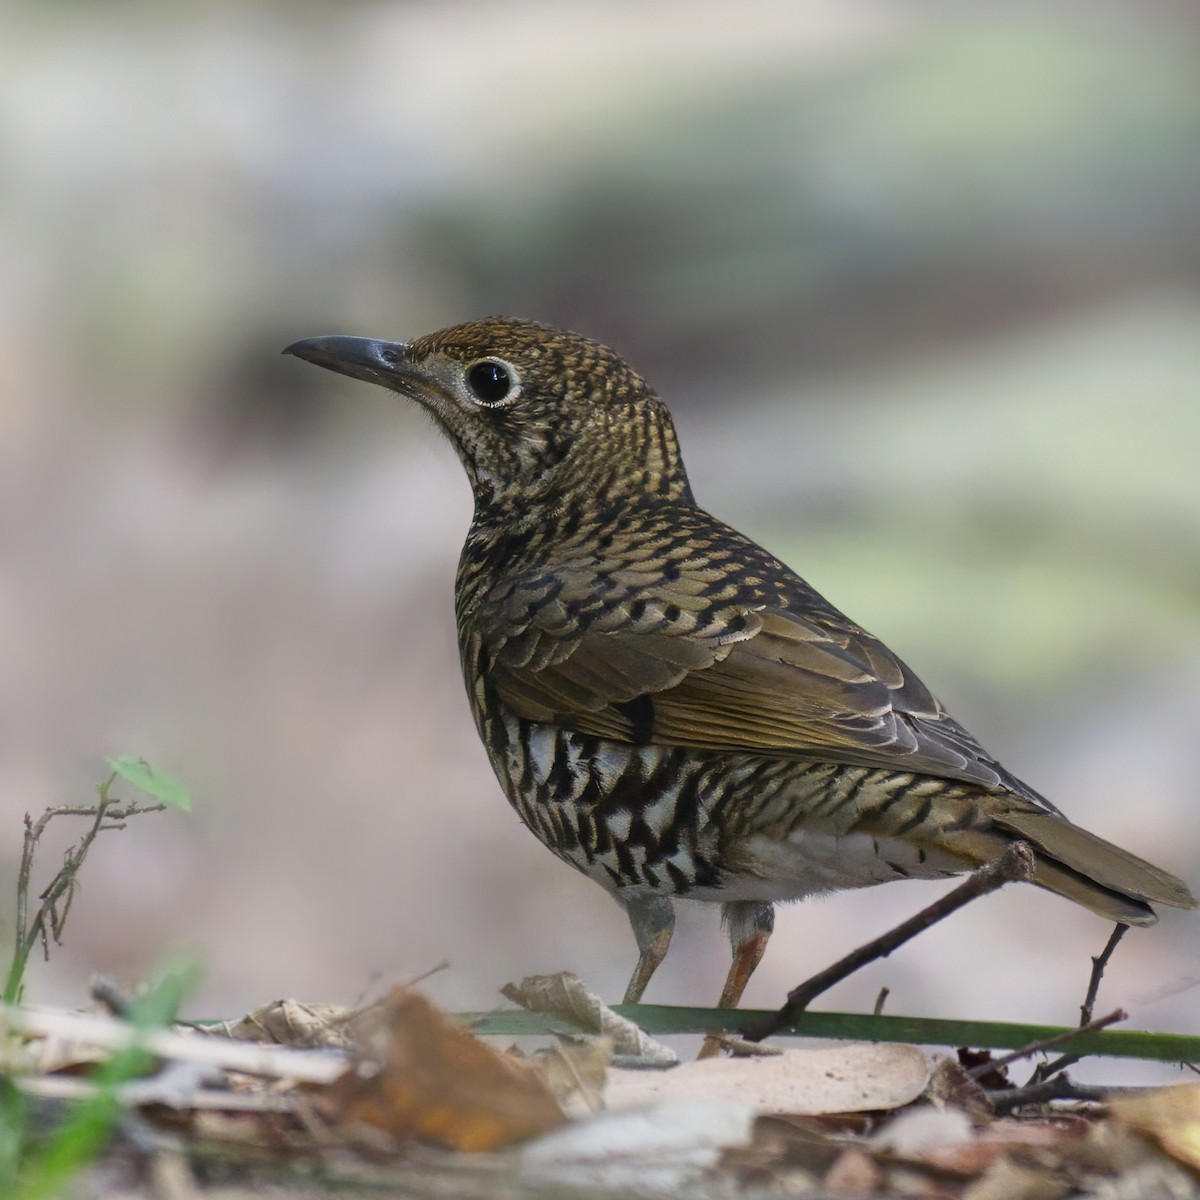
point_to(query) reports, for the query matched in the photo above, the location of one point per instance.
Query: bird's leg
(653, 921)
(749, 923)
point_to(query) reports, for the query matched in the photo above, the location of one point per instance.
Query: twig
(57, 1087)
(253, 1058)
(1061, 1087)
(106, 991)
(50, 917)
(444, 965)
(994, 1064)
(740, 1048)
(1015, 864)
(881, 1000)
(1099, 962)
(1045, 1070)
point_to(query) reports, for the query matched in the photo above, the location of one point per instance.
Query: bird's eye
(491, 382)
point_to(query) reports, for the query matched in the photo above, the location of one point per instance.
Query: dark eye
(490, 381)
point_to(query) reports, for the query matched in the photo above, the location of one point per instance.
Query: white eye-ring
(492, 382)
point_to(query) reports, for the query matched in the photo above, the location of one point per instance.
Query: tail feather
(1077, 864)
(1109, 866)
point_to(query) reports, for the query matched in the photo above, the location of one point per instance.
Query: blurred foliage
(945, 185)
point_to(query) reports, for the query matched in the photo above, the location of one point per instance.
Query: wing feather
(766, 679)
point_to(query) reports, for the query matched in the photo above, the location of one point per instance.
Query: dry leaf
(915, 1133)
(574, 1069)
(1002, 1137)
(422, 1075)
(564, 995)
(1169, 1115)
(1008, 1180)
(854, 1173)
(852, 1078)
(657, 1149)
(951, 1087)
(973, 1060)
(290, 1023)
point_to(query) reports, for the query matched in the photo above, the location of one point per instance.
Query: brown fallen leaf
(1171, 1116)
(859, 1077)
(419, 1074)
(976, 1060)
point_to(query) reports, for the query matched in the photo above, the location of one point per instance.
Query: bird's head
(537, 415)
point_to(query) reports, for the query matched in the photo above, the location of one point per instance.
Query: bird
(668, 707)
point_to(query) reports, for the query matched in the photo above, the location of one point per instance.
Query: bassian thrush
(668, 707)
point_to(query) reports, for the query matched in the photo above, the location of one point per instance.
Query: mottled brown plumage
(667, 706)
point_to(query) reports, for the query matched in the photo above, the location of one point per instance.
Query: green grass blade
(923, 1031)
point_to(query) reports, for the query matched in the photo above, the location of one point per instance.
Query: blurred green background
(920, 282)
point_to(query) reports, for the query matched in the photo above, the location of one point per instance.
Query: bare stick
(740, 1048)
(106, 991)
(444, 965)
(48, 919)
(1015, 864)
(1061, 1087)
(994, 1064)
(1045, 1070)
(305, 1066)
(1099, 962)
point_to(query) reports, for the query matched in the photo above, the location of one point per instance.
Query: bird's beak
(358, 357)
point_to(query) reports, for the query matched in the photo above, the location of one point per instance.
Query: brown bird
(668, 707)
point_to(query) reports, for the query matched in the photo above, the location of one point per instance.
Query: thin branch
(444, 965)
(1099, 962)
(1037, 1047)
(1046, 1070)
(23, 886)
(107, 992)
(106, 1033)
(1061, 1087)
(740, 1048)
(1015, 864)
(50, 917)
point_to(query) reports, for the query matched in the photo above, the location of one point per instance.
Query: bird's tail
(1078, 865)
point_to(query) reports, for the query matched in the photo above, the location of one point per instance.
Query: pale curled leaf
(291, 1023)
(838, 1079)
(564, 995)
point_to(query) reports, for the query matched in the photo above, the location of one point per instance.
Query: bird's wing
(763, 679)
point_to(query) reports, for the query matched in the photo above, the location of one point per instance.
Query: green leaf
(154, 783)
